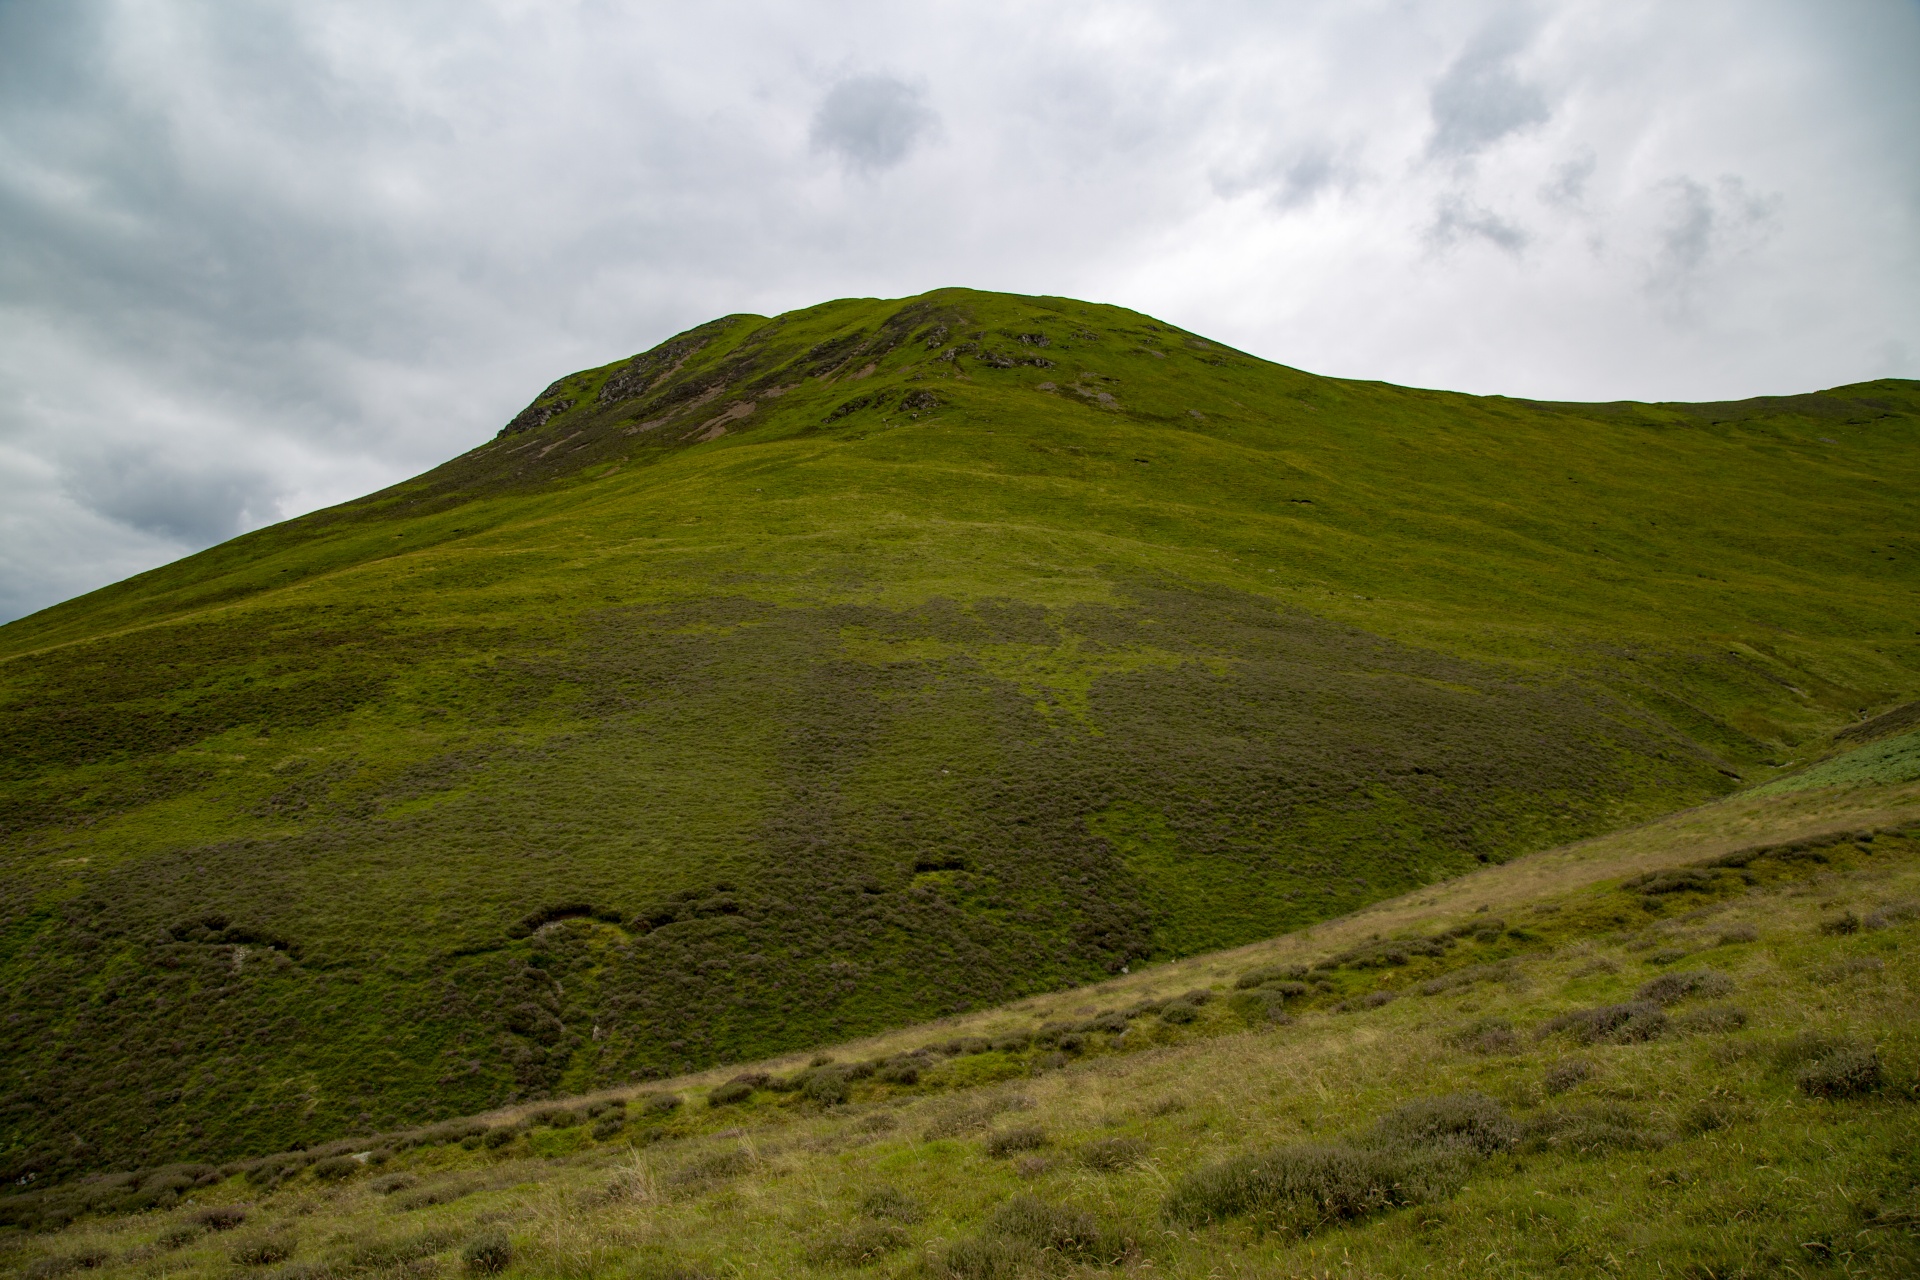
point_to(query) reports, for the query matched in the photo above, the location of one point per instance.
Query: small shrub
(1304, 1187)
(488, 1253)
(900, 1071)
(336, 1169)
(374, 1255)
(261, 1251)
(221, 1217)
(1272, 975)
(988, 1257)
(594, 1110)
(1849, 1071)
(302, 1271)
(1468, 1121)
(715, 1166)
(827, 1086)
(890, 1204)
(1840, 925)
(736, 1090)
(554, 1118)
(659, 1104)
(1890, 915)
(1714, 1113)
(1031, 1166)
(449, 1132)
(438, 1193)
(179, 1237)
(609, 1126)
(1735, 934)
(961, 1117)
(1676, 880)
(1589, 1131)
(387, 1184)
(1717, 1019)
(65, 1264)
(1611, 1024)
(500, 1137)
(1852, 967)
(1019, 1138)
(1110, 1155)
(1567, 1073)
(857, 1245)
(1069, 1233)
(1261, 1006)
(1179, 1014)
(1672, 988)
(1489, 1036)
(878, 1122)
(1809, 1046)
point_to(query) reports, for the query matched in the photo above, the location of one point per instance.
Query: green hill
(1685, 1049)
(869, 664)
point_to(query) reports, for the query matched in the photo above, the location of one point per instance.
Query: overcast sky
(260, 258)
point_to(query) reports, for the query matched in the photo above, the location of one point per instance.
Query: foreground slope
(868, 664)
(1688, 1049)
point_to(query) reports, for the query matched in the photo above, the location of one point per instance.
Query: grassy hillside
(866, 665)
(1687, 1049)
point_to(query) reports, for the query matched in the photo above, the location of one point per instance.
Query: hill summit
(872, 663)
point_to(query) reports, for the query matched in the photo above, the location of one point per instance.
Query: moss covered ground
(1685, 1049)
(872, 664)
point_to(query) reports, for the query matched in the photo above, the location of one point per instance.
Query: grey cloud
(1457, 220)
(1480, 100)
(871, 121)
(1688, 235)
(1703, 224)
(1568, 187)
(194, 505)
(1292, 180)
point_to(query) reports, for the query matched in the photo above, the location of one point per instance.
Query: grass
(1377, 1141)
(626, 745)
(1894, 760)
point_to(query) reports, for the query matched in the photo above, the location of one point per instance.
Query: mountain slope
(1684, 1049)
(870, 663)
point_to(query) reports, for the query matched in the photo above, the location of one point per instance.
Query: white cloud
(257, 260)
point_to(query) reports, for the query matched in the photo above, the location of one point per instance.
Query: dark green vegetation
(1689, 1055)
(810, 676)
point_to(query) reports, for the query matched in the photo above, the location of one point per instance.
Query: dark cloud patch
(1459, 221)
(194, 504)
(872, 122)
(1480, 99)
(1568, 187)
(1293, 180)
(1704, 224)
